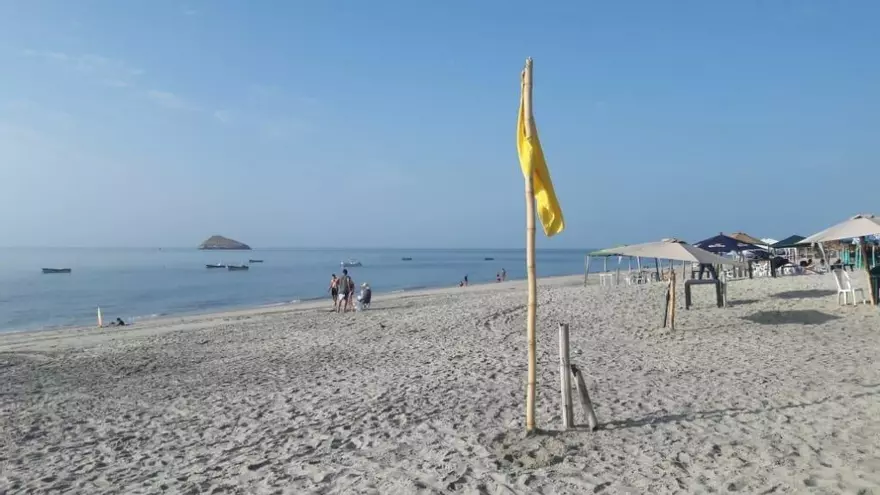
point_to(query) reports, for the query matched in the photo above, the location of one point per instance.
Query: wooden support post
(592, 422)
(565, 379)
(530, 256)
(683, 268)
(639, 263)
(672, 299)
(605, 265)
(666, 308)
(657, 268)
(864, 250)
(587, 260)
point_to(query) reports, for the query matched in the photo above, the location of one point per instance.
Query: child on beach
(334, 290)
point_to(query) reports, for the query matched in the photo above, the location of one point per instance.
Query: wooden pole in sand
(564, 378)
(530, 254)
(587, 260)
(592, 422)
(863, 246)
(672, 299)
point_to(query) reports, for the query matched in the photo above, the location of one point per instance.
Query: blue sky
(392, 123)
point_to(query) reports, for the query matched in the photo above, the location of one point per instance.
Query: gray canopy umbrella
(669, 249)
(859, 226)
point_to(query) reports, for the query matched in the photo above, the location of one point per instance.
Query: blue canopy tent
(722, 244)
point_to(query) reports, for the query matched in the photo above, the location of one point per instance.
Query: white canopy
(857, 226)
(669, 249)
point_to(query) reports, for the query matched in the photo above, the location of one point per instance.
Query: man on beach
(345, 287)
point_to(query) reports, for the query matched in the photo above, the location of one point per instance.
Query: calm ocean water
(145, 283)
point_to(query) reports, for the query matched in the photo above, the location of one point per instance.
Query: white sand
(776, 394)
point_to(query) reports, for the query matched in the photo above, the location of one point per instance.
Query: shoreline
(207, 317)
(774, 392)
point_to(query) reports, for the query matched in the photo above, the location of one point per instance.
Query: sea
(137, 284)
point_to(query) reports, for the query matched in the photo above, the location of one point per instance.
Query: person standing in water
(334, 290)
(503, 275)
(465, 281)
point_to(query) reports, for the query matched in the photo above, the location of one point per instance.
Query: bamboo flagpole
(541, 202)
(530, 252)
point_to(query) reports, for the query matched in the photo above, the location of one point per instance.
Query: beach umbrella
(857, 226)
(791, 241)
(743, 237)
(725, 244)
(669, 249)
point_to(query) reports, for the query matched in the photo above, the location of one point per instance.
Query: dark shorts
(334, 293)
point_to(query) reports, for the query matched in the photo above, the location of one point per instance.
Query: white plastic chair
(845, 288)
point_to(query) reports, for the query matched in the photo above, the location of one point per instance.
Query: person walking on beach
(334, 290)
(465, 281)
(503, 275)
(344, 288)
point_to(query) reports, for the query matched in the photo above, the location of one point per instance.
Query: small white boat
(350, 263)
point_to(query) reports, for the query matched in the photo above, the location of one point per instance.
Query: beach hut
(857, 227)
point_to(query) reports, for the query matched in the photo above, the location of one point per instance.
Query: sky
(392, 123)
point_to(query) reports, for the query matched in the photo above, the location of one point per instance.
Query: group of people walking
(342, 292)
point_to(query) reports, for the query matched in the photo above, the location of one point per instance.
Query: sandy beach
(424, 393)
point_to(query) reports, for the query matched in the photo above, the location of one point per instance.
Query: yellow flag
(531, 158)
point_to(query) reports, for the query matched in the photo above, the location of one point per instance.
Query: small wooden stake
(862, 245)
(587, 260)
(672, 299)
(592, 422)
(565, 379)
(666, 308)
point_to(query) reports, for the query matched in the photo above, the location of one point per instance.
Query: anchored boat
(56, 270)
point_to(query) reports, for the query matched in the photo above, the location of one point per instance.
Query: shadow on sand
(721, 413)
(797, 317)
(742, 302)
(804, 294)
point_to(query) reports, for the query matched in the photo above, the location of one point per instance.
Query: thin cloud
(96, 66)
(169, 100)
(222, 116)
(188, 11)
(284, 128)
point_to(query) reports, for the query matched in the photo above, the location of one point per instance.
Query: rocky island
(220, 242)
